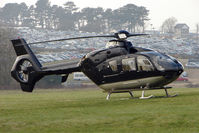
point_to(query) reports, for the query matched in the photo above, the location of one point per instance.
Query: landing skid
(165, 88)
(143, 92)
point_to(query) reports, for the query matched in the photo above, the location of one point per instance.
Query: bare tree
(168, 25)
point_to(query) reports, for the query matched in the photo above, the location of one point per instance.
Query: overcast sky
(186, 11)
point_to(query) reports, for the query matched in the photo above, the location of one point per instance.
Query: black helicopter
(118, 68)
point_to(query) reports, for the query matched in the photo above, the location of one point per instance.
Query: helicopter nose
(180, 68)
(174, 73)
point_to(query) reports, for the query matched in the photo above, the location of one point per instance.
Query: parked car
(193, 63)
(181, 78)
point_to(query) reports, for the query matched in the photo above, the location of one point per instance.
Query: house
(181, 30)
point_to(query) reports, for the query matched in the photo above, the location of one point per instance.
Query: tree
(108, 19)
(24, 13)
(66, 16)
(70, 7)
(142, 17)
(92, 19)
(168, 25)
(130, 17)
(42, 12)
(10, 13)
(28, 19)
(7, 55)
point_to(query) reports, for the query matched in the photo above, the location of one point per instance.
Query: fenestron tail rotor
(23, 69)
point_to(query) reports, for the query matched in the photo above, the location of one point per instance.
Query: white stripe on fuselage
(131, 84)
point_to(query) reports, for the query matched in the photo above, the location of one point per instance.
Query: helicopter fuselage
(119, 68)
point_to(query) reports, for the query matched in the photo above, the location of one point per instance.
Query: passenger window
(144, 64)
(128, 64)
(113, 65)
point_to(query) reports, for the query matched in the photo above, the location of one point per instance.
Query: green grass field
(66, 111)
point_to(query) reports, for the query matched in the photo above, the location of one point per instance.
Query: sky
(185, 11)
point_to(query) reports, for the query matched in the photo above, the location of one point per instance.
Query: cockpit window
(114, 43)
(113, 65)
(144, 64)
(162, 62)
(128, 64)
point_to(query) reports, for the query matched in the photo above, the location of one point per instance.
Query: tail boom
(27, 69)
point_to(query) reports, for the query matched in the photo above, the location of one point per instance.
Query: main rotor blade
(73, 38)
(137, 35)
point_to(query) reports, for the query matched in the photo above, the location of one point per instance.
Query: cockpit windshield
(161, 61)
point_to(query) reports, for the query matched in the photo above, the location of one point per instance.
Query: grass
(66, 111)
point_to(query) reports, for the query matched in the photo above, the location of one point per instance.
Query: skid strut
(143, 97)
(131, 94)
(109, 94)
(167, 94)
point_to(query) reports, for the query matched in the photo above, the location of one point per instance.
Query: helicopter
(118, 68)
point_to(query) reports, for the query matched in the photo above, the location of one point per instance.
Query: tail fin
(26, 66)
(22, 48)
